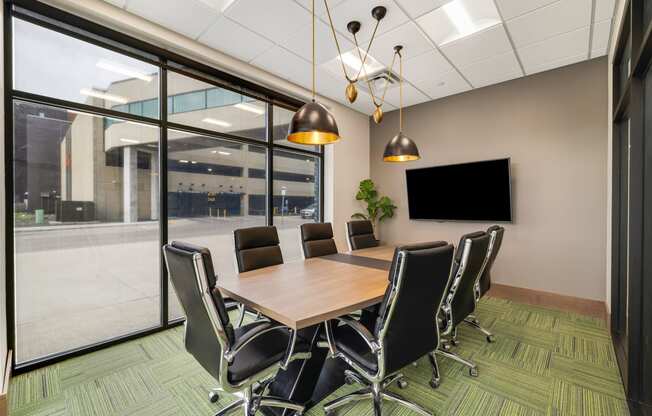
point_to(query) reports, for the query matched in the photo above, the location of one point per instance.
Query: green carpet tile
(544, 362)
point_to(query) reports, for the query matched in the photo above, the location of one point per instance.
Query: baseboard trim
(581, 306)
(4, 385)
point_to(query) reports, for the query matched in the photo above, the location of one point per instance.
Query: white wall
(346, 163)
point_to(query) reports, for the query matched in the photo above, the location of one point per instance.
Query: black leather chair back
(407, 321)
(361, 234)
(208, 329)
(476, 244)
(485, 280)
(317, 240)
(257, 247)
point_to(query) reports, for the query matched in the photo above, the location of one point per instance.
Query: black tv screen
(477, 191)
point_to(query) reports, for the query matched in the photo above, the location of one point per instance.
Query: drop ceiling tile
(360, 10)
(190, 20)
(555, 49)
(275, 22)
(493, 70)
(444, 85)
(331, 86)
(425, 67)
(286, 65)
(235, 40)
(363, 103)
(300, 42)
(459, 19)
(601, 33)
(604, 9)
(413, 41)
(558, 64)
(477, 47)
(514, 8)
(320, 9)
(554, 19)
(417, 8)
(411, 96)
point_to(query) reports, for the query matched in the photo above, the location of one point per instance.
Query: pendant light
(313, 124)
(401, 148)
(378, 13)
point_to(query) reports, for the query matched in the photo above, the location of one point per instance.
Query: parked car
(309, 212)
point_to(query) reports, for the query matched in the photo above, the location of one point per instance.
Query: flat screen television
(477, 191)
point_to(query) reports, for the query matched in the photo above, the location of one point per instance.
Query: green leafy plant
(379, 208)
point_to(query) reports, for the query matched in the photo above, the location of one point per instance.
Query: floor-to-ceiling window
(115, 150)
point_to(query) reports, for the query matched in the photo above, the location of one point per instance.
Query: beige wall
(553, 125)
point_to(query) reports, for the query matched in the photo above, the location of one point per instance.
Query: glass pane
(282, 119)
(86, 233)
(198, 104)
(214, 187)
(296, 198)
(52, 64)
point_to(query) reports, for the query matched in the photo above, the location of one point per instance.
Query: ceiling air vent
(378, 81)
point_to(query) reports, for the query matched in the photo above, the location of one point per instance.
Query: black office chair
(360, 234)
(317, 240)
(470, 258)
(237, 358)
(257, 247)
(403, 333)
(496, 232)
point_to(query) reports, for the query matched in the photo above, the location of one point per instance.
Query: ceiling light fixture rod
(314, 87)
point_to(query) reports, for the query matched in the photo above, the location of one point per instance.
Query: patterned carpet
(544, 362)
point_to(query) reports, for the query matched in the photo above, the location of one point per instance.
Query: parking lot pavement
(96, 283)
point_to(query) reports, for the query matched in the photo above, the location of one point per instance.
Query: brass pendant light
(401, 148)
(313, 124)
(353, 27)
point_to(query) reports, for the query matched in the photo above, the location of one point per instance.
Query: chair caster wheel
(402, 384)
(349, 380)
(213, 397)
(434, 383)
(491, 338)
(447, 347)
(473, 371)
(455, 342)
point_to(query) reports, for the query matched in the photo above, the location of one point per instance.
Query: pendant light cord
(313, 52)
(400, 87)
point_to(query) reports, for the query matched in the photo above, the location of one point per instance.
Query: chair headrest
(316, 231)
(246, 238)
(206, 257)
(496, 228)
(460, 247)
(360, 227)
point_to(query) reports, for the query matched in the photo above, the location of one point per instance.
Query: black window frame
(80, 28)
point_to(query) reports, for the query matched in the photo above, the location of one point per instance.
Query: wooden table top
(306, 292)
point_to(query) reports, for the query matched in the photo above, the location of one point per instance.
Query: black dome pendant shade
(401, 148)
(313, 124)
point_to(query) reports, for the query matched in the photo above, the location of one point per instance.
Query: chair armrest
(259, 329)
(359, 329)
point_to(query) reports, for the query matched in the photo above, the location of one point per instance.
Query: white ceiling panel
(555, 49)
(554, 19)
(604, 9)
(417, 8)
(190, 20)
(360, 10)
(286, 65)
(601, 33)
(413, 41)
(444, 85)
(278, 21)
(514, 8)
(119, 3)
(478, 47)
(320, 9)
(235, 40)
(300, 42)
(425, 67)
(558, 64)
(496, 69)
(411, 96)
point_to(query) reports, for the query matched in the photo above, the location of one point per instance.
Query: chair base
(473, 321)
(376, 393)
(250, 403)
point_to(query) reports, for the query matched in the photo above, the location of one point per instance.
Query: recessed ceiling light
(224, 153)
(123, 70)
(183, 161)
(251, 108)
(105, 96)
(216, 122)
(458, 19)
(194, 162)
(129, 140)
(352, 60)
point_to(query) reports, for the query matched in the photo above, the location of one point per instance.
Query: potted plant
(379, 207)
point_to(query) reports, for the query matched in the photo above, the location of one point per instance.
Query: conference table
(302, 295)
